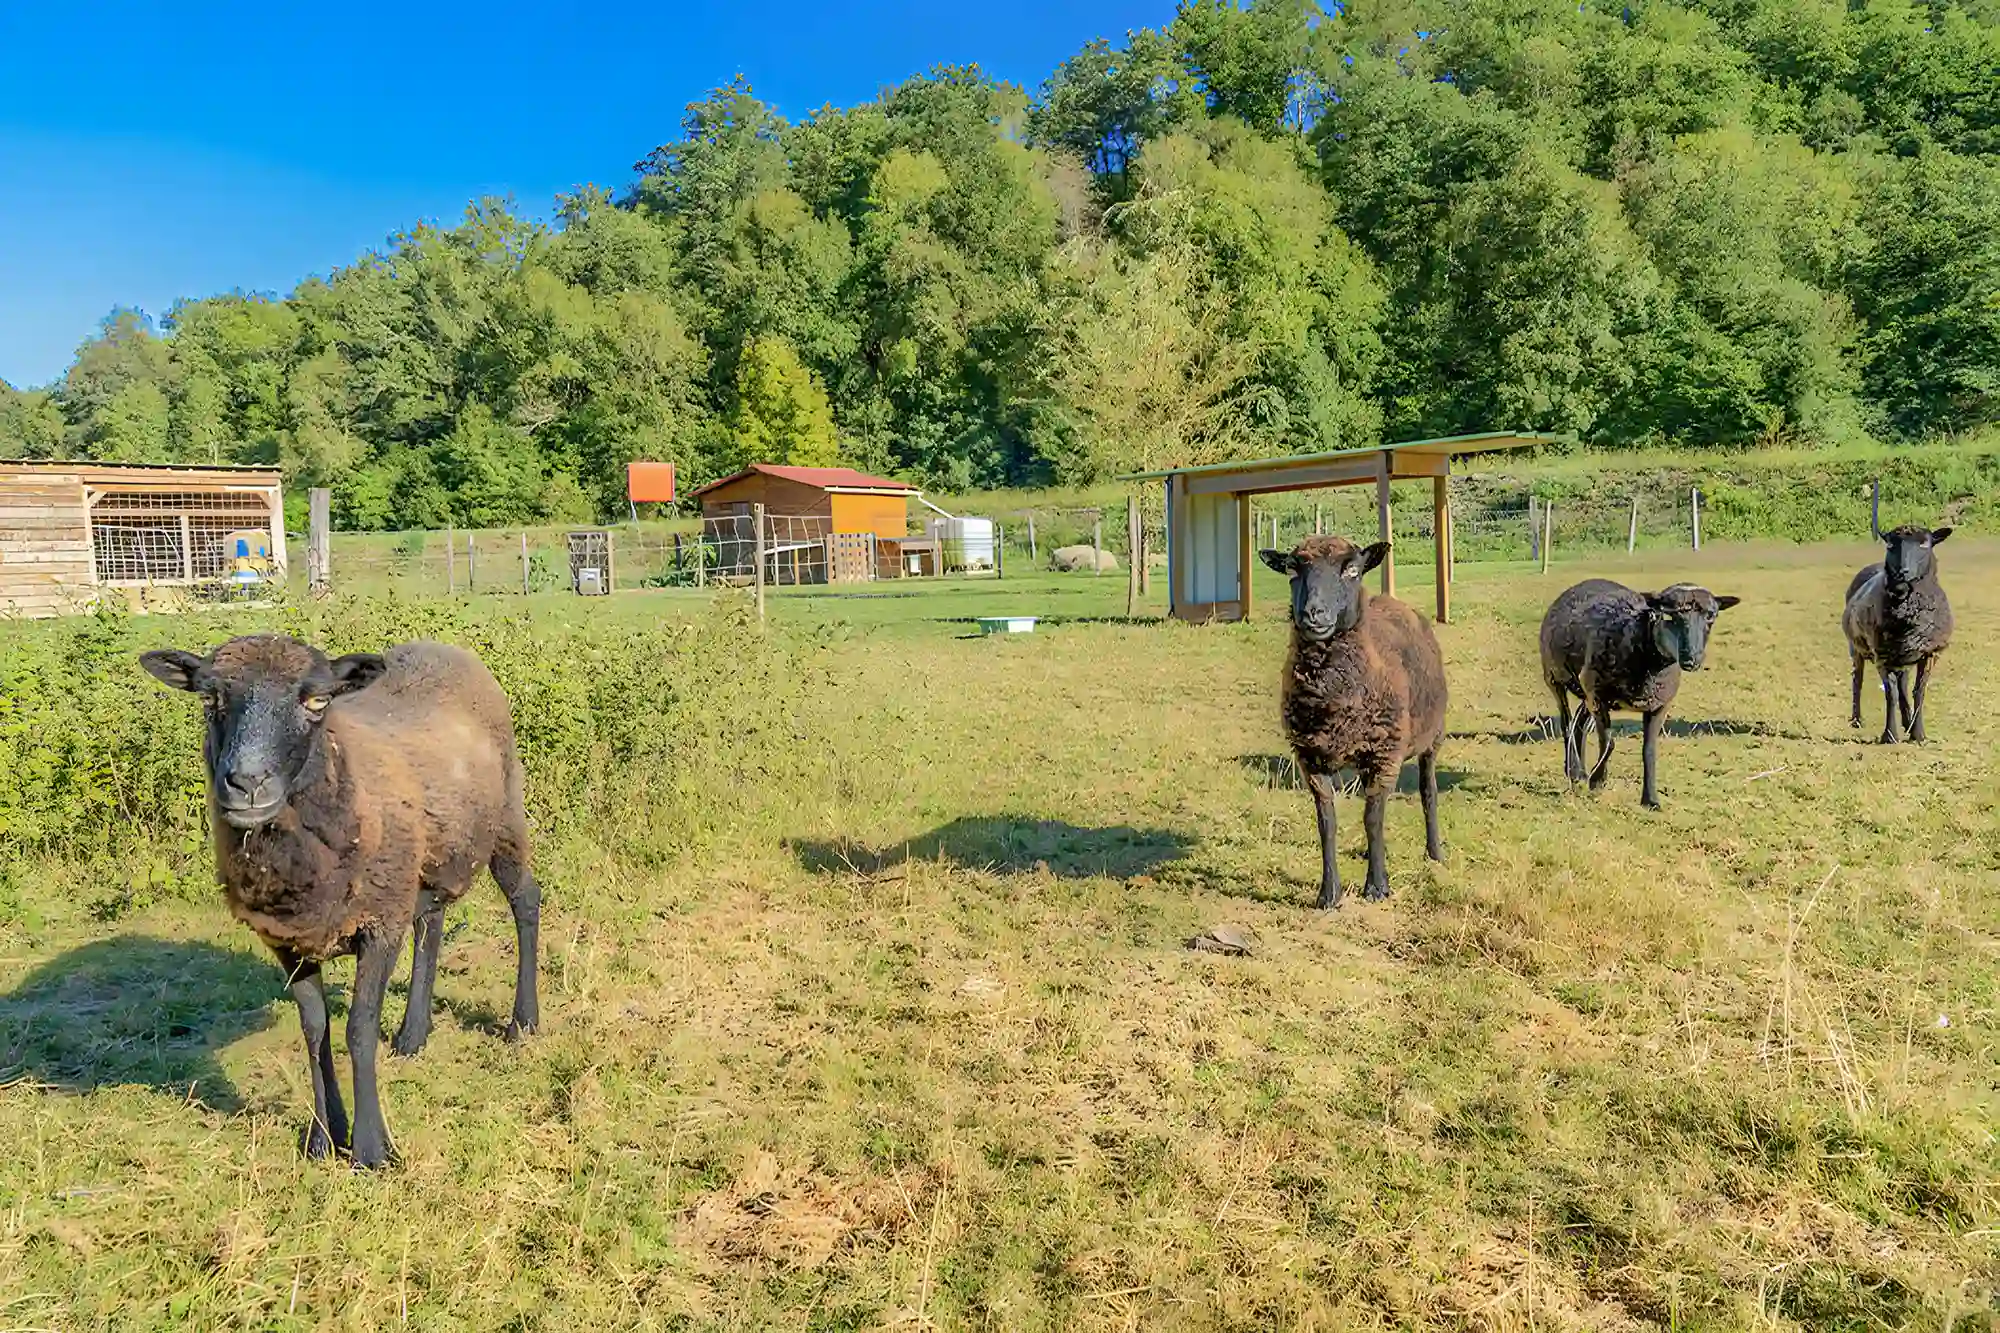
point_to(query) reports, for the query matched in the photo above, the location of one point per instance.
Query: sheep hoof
(1376, 893)
(1329, 899)
(1855, 721)
(1917, 736)
(374, 1157)
(517, 1030)
(409, 1043)
(1887, 738)
(316, 1143)
(1650, 802)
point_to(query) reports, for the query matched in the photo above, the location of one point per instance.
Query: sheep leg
(1329, 862)
(428, 933)
(1923, 685)
(1427, 786)
(1903, 699)
(1376, 887)
(375, 961)
(329, 1123)
(524, 898)
(1601, 770)
(1572, 747)
(1888, 703)
(1860, 670)
(1649, 791)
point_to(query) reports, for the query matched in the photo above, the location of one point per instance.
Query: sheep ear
(356, 670)
(1726, 602)
(1372, 556)
(1939, 534)
(172, 667)
(1278, 560)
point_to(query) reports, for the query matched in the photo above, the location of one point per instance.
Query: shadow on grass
(1541, 730)
(1010, 844)
(1281, 772)
(134, 1009)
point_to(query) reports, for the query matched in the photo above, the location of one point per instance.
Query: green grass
(909, 1035)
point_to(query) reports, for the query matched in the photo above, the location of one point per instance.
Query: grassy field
(910, 1036)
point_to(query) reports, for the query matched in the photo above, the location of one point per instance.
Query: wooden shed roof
(1339, 467)
(836, 479)
(178, 475)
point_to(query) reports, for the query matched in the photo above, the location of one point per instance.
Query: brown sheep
(1363, 686)
(352, 801)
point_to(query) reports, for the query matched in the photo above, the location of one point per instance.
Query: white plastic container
(1007, 624)
(964, 543)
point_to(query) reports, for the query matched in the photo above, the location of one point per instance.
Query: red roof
(822, 478)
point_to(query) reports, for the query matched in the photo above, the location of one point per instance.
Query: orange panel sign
(649, 482)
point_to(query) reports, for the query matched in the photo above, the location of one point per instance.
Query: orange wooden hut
(862, 521)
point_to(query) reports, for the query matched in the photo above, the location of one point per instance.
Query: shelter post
(1243, 555)
(1441, 543)
(1385, 466)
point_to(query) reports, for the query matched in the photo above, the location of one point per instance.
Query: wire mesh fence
(1491, 522)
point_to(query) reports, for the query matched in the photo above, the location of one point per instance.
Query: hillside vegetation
(1253, 231)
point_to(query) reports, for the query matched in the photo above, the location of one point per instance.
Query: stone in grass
(1077, 559)
(1234, 941)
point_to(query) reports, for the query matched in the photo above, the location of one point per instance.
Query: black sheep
(352, 801)
(1898, 617)
(1614, 648)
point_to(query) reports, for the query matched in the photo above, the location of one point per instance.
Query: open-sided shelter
(1208, 513)
(69, 530)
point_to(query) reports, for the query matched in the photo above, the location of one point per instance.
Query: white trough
(1007, 624)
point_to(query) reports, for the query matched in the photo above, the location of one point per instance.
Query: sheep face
(1679, 620)
(1908, 557)
(1327, 595)
(265, 696)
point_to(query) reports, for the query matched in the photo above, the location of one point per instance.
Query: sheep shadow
(1545, 729)
(1009, 844)
(1280, 772)
(137, 1010)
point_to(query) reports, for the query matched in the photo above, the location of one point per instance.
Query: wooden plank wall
(45, 564)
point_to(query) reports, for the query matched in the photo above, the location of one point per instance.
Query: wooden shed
(69, 530)
(856, 525)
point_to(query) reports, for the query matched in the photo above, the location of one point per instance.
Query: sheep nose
(244, 786)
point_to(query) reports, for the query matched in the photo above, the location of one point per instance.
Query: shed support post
(1034, 556)
(1385, 518)
(757, 521)
(187, 549)
(1243, 554)
(1441, 544)
(524, 565)
(1097, 542)
(450, 559)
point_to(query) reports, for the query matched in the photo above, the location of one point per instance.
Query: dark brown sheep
(1614, 648)
(1898, 617)
(1363, 687)
(352, 801)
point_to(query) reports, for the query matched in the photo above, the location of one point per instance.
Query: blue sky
(151, 151)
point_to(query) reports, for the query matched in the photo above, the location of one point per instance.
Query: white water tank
(965, 543)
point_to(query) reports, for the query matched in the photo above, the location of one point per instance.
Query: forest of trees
(1259, 230)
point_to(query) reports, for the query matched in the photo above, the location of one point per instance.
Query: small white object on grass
(1944, 1020)
(1007, 624)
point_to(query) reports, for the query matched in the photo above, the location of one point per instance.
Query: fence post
(999, 551)
(1534, 532)
(701, 555)
(1319, 520)
(470, 582)
(610, 562)
(1034, 556)
(680, 563)
(1694, 511)
(1144, 561)
(525, 589)
(1097, 542)
(757, 521)
(1548, 531)
(1632, 529)
(319, 542)
(450, 559)
(1132, 540)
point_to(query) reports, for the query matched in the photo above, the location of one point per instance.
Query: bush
(644, 739)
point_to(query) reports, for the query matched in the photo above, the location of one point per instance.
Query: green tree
(782, 414)
(31, 426)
